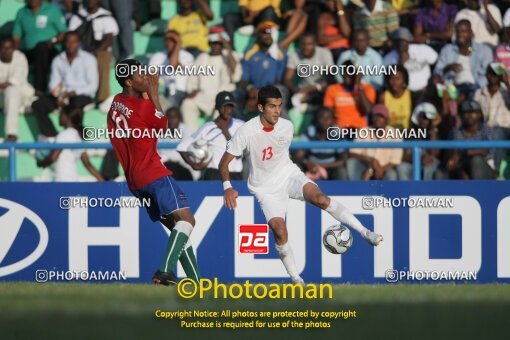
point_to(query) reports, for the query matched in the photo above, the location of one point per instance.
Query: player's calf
(281, 236)
(279, 229)
(339, 212)
(313, 194)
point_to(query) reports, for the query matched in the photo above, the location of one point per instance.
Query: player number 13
(267, 153)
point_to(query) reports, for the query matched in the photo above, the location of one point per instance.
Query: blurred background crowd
(57, 63)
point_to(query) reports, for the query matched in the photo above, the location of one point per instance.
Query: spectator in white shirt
(202, 89)
(66, 161)
(104, 28)
(175, 56)
(495, 102)
(15, 91)
(216, 134)
(485, 20)
(73, 81)
(416, 58)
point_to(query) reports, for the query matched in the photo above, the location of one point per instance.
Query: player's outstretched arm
(230, 195)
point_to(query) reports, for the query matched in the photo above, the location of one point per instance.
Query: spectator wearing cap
(104, 29)
(307, 89)
(379, 18)
(464, 62)
(425, 118)
(485, 20)
(366, 164)
(434, 23)
(494, 100)
(445, 105)
(190, 24)
(351, 101)
(416, 58)
(322, 163)
(216, 133)
(361, 54)
(175, 86)
(334, 29)
(397, 98)
(38, 27)
(262, 65)
(202, 88)
(503, 49)
(469, 163)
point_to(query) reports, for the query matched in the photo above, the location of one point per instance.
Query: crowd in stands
(451, 62)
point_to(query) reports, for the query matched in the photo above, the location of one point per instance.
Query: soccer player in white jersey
(274, 178)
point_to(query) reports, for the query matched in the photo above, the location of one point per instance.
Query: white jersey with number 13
(267, 152)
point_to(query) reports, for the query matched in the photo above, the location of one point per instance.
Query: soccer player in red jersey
(138, 108)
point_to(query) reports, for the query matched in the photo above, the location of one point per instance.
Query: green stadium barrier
(300, 121)
(9, 9)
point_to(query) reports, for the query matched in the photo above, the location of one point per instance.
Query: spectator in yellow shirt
(397, 98)
(190, 24)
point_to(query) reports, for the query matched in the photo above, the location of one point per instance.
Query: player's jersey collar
(264, 128)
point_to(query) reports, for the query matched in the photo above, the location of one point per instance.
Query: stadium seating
(144, 47)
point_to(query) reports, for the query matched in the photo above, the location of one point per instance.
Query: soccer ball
(199, 151)
(337, 239)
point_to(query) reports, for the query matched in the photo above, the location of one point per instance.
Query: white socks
(342, 215)
(183, 227)
(287, 257)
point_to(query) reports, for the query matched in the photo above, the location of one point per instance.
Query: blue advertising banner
(433, 232)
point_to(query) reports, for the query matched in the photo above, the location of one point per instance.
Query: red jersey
(138, 156)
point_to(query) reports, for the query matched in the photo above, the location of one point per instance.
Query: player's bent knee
(322, 201)
(319, 199)
(184, 215)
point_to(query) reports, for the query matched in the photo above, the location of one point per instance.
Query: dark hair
(75, 115)
(308, 35)
(69, 33)
(321, 111)
(348, 63)
(267, 92)
(121, 73)
(174, 109)
(401, 69)
(358, 31)
(173, 32)
(325, 109)
(6, 39)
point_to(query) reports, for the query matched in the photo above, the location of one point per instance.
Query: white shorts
(275, 204)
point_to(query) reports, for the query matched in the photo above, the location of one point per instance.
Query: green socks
(189, 263)
(178, 238)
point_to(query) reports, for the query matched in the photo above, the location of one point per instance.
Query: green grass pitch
(126, 311)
